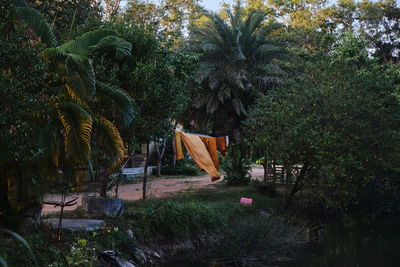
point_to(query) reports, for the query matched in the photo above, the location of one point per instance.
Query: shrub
(261, 240)
(188, 170)
(338, 120)
(236, 167)
(26, 132)
(174, 220)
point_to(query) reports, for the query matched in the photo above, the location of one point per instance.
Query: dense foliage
(84, 84)
(239, 62)
(26, 128)
(79, 90)
(339, 121)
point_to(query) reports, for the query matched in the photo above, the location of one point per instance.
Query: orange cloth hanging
(221, 143)
(198, 151)
(178, 146)
(211, 145)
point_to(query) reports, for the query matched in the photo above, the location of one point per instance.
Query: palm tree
(238, 63)
(81, 126)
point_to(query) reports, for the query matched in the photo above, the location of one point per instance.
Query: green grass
(182, 217)
(191, 213)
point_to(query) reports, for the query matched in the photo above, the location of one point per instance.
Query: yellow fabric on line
(221, 144)
(198, 151)
(211, 145)
(178, 146)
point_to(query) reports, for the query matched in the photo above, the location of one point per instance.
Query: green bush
(15, 253)
(174, 220)
(26, 132)
(261, 240)
(236, 166)
(187, 170)
(340, 119)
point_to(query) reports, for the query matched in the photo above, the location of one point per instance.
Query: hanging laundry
(221, 144)
(178, 146)
(198, 151)
(211, 145)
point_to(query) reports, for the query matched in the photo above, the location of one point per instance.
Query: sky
(215, 5)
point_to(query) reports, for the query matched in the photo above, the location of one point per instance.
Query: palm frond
(255, 22)
(212, 105)
(224, 93)
(38, 24)
(77, 124)
(205, 70)
(82, 45)
(111, 135)
(56, 56)
(201, 100)
(235, 55)
(238, 106)
(112, 42)
(120, 98)
(90, 42)
(81, 77)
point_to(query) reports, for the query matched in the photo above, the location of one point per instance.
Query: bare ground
(163, 186)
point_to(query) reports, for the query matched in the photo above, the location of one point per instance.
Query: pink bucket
(246, 201)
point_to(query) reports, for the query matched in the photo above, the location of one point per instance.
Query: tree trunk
(160, 155)
(103, 187)
(265, 167)
(297, 185)
(146, 164)
(274, 169)
(282, 178)
(288, 171)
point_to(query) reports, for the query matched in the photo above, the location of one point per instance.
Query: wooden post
(160, 155)
(146, 164)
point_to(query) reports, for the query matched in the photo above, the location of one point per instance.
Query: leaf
(91, 42)
(81, 77)
(39, 25)
(3, 262)
(23, 241)
(113, 138)
(77, 129)
(120, 98)
(112, 42)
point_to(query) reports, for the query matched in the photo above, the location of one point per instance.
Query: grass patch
(161, 221)
(191, 213)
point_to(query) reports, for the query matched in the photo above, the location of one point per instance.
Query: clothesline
(203, 135)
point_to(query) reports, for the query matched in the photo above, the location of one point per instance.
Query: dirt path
(157, 187)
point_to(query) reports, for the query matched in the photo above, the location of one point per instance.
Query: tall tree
(155, 77)
(377, 21)
(65, 15)
(238, 63)
(26, 130)
(168, 20)
(77, 93)
(338, 120)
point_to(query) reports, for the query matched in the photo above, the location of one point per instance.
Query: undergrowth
(182, 217)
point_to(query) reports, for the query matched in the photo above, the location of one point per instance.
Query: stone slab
(96, 207)
(76, 224)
